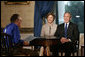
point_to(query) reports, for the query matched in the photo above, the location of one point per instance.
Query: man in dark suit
(67, 33)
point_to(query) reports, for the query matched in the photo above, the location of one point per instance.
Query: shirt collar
(50, 24)
(14, 24)
(67, 23)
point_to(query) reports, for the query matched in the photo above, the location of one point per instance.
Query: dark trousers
(54, 50)
(68, 48)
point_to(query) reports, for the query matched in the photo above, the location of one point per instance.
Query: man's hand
(26, 43)
(63, 40)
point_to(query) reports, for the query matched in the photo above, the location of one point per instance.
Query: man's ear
(70, 18)
(16, 20)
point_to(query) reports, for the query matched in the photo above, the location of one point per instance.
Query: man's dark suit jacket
(72, 31)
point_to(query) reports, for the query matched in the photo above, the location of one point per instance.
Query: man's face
(50, 19)
(19, 21)
(67, 17)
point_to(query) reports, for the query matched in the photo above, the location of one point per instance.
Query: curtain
(40, 11)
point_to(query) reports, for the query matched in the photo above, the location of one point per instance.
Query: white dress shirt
(65, 24)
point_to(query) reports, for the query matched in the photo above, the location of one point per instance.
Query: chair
(7, 48)
(77, 48)
(82, 50)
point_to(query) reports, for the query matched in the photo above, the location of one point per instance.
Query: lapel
(63, 29)
(69, 28)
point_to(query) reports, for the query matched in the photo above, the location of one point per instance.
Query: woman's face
(50, 19)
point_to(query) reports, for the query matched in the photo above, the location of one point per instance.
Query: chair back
(6, 43)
